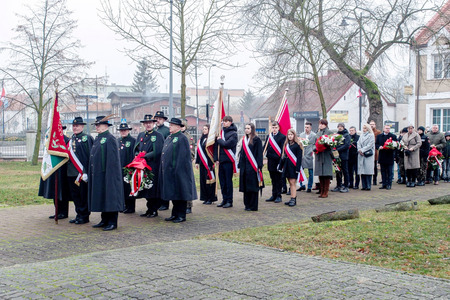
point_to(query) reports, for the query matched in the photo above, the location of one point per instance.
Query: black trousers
(366, 181)
(411, 175)
(433, 175)
(386, 174)
(79, 196)
(226, 181)
(153, 204)
(164, 203)
(179, 208)
(343, 174)
(277, 183)
(375, 173)
(353, 171)
(110, 217)
(251, 200)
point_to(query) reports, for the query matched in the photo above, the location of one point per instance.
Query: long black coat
(289, 170)
(207, 191)
(164, 130)
(105, 187)
(81, 145)
(151, 142)
(248, 180)
(273, 160)
(353, 148)
(126, 154)
(425, 147)
(230, 142)
(343, 148)
(176, 177)
(385, 156)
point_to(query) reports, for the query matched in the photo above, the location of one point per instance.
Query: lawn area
(415, 242)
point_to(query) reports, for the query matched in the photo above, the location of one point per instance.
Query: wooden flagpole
(276, 118)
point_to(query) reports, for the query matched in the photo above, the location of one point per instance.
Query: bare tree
(380, 25)
(202, 31)
(43, 54)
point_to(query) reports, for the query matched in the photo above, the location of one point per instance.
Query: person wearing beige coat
(412, 141)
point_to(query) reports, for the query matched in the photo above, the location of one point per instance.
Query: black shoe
(99, 225)
(110, 227)
(292, 202)
(73, 221)
(288, 192)
(382, 187)
(129, 211)
(208, 202)
(388, 187)
(270, 199)
(278, 200)
(302, 188)
(81, 221)
(221, 204)
(170, 219)
(145, 214)
(51, 217)
(204, 202)
(283, 191)
(152, 215)
(420, 183)
(163, 207)
(355, 187)
(344, 190)
(308, 190)
(336, 189)
(178, 220)
(247, 209)
(227, 205)
(374, 183)
(60, 217)
(188, 210)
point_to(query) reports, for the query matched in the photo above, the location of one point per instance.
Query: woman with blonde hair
(366, 150)
(292, 163)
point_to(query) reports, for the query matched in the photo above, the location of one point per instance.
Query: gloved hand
(84, 177)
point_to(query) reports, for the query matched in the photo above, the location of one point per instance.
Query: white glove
(84, 177)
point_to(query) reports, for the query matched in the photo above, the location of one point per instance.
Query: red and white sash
(274, 145)
(74, 159)
(252, 160)
(301, 175)
(230, 154)
(204, 160)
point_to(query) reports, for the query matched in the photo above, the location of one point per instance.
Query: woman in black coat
(250, 165)
(292, 160)
(206, 166)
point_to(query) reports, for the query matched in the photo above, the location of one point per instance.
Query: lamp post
(171, 66)
(344, 23)
(196, 99)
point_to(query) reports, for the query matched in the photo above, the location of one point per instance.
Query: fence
(14, 146)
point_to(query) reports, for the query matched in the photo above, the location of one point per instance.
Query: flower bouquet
(138, 174)
(324, 142)
(435, 158)
(304, 142)
(401, 145)
(337, 139)
(390, 145)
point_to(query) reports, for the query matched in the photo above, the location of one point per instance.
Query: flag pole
(276, 118)
(3, 118)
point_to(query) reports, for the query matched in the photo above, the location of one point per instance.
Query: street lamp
(344, 24)
(171, 67)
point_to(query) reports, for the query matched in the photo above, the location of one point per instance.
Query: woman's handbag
(368, 153)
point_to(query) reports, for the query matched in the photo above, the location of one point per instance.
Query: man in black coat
(126, 154)
(343, 155)
(386, 157)
(353, 182)
(424, 151)
(226, 159)
(151, 142)
(105, 177)
(81, 145)
(176, 177)
(274, 145)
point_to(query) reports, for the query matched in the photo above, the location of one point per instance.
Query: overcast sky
(102, 47)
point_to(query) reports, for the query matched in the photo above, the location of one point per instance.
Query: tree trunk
(440, 200)
(398, 206)
(37, 141)
(183, 93)
(337, 215)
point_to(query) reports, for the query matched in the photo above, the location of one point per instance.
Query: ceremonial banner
(283, 115)
(55, 150)
(216, 120)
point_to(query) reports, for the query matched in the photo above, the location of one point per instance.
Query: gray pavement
(147, 258)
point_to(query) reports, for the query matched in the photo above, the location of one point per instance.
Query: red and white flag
(3, 97)
(283, 117)
(216, 122)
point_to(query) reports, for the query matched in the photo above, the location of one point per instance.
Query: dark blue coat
(230, 142)
(353, 148)
(385, 156)
(248, 180)
(425, 147)
(273, 160)
(344, 148)
(105, 187)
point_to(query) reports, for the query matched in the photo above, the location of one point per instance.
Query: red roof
(440, 20)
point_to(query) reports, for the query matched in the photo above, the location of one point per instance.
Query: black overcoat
(289, 170)
(344, 147)
(164, 130)
(126, 154)
(230, 142)
(425, 147)
(353, 148)
(151, 142)
(81, 145)
(176, 177)
(207, 191)
(105, 187)
(273, 160)
(385, 156)
(248, 180)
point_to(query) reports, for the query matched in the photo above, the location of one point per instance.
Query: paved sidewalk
(205, 269)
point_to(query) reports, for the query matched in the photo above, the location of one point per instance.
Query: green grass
(414, 242)
(19, 184)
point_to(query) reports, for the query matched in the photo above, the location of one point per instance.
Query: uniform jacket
(425, 147)
(323, 163)
(437, 139)
(105, 187)
(126, 154)
(343, 148)
(353, 148)
(151, 142)
(385, 156)
(289, 170)
(164, 130)
(273, 160)
(230, 142)
(176, 177)
(413, 140)
(248, 180)
(366, 164)
(81, 145)
(308, 151)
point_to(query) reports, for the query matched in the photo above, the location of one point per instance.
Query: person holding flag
(206, 166)
(292, 164)
(80, 148)
(274, 144)
(250, 165)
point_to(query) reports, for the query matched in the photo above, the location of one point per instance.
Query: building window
(442, 66)
(165, 110)
(441, 117)
(178, 110)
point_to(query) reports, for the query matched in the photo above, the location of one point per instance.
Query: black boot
(278, 199)
(272, 198)
(293, 202)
